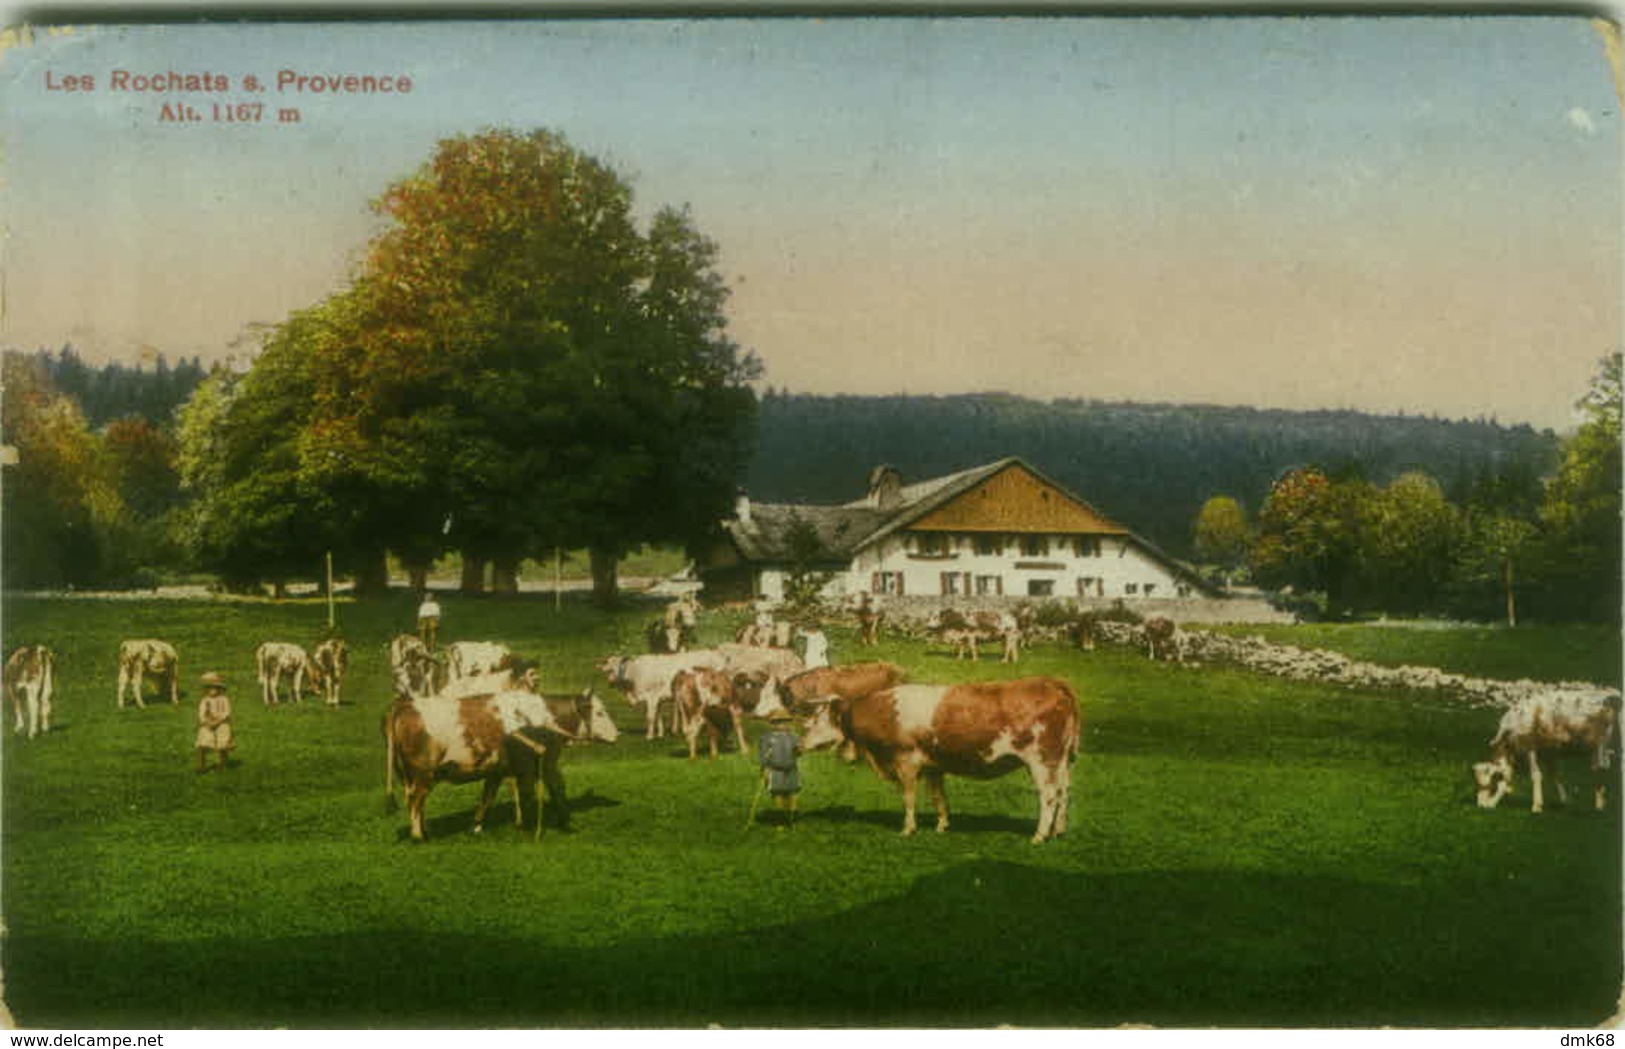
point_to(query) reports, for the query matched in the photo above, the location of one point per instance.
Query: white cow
(29, 684)
(760, 662)
(137, 659)
(646, 680)
(468, 658)
(1550, 724)
(275, 659)
(519, 676)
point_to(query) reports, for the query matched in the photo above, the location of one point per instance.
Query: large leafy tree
(61, 499)
(1408, 538)
(1222, 534)
(1309, 535)
(522, 368)
(1581, 509)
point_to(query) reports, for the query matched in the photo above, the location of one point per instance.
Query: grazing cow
(1162, 637)
(646, 680)
(977, 730)
(964, 630)
(332, 662)
(460, 740)
(273, 660)
(800, 693)
(30, 685)
(1547, 726)
(467, 658)
(1084, 630)
(139, 659)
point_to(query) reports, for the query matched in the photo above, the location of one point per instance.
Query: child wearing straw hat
(213, 722)
(776, 753)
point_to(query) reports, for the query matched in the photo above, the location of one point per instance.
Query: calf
(646, 680)
(30, 685)
(275, 659)
(977, 730)
(332, 661)
(1163, 638)
(712, 700)
(460, 740)
(1550, 725)
(137, 660)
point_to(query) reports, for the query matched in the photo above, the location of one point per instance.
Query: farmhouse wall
(1203, 610)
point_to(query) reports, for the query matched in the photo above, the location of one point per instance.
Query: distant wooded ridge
(1149, 466)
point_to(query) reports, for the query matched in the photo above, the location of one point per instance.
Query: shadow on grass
(980, 944)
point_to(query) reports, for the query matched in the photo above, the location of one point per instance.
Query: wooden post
(330, 591)
(558, 578)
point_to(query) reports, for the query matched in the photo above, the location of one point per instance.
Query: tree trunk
(279, 589)
(473, 574)
(372, 575)
(1512, 602)
(605, 578)
(505, 575)
(418, 578)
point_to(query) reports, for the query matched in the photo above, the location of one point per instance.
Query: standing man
(213, 723)
(428, 620)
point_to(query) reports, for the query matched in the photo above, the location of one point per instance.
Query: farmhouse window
(1131, 588)
(931, 544)
(1086, 545)
(990, 545)
(1040, 587)
(887, 583)
(1091, 586)
(1034, 545)
(1148, 588)
(955, 583)
(989, 585)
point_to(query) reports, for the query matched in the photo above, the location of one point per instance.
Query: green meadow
(1243, 851)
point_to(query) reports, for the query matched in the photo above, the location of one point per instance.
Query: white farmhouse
(999, 530)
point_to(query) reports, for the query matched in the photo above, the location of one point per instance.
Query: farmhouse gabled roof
(845, 529)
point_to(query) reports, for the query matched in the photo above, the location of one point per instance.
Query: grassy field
(1244, 852)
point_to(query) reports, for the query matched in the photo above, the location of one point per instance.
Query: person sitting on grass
(214, 723)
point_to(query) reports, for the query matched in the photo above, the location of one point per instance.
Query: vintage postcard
(1046, 520)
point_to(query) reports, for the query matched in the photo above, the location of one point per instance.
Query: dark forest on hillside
(1149, 466)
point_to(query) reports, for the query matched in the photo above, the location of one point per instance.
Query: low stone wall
(1316, 664)
(1211, 610)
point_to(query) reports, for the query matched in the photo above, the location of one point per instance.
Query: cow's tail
(1074, 742)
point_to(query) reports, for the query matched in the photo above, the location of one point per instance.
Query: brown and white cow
(274, 660)
(460, 740)
(332, 661)
(30, 685)
(1547, 726)
(964, 631)
(980, 730)
(760, 661)
(712, 700)
(1163, 638)
(800, 693)
(137, 660)
(581, 719)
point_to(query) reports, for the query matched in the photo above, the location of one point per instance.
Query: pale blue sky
(1388, 214)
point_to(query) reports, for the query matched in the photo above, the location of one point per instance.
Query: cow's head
(614, 668)
(1493, 780)
(770, 700)
(596, 724)
(824, 728)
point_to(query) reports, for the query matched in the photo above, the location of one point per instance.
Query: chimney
(742, 507)
(885, 488)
